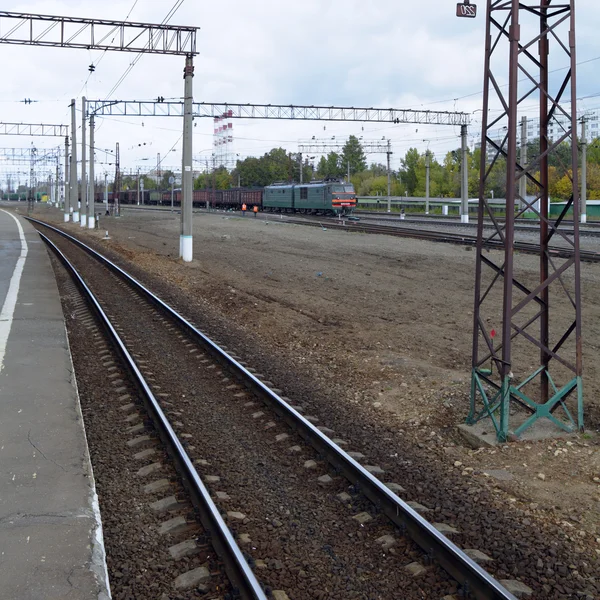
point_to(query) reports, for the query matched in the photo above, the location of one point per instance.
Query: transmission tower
(533, 368)
(223, 140)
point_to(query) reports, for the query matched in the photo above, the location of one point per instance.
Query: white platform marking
(6, 315)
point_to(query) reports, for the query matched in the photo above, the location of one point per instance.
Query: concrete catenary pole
(300, 160)
(523, 161)
(186, 244)
(84, 194)
(67, 204)
(106, 192)
(73, 191)
(464, 172)
(583, 170)
(57, 182)
(427, 169)
(389, 182)
(92, 186)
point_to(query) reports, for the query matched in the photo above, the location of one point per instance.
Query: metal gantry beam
(34, 129)
(533, 368)
(101, 34)
(275, 111)
(18, 155)
(95, 34)
(317, 146)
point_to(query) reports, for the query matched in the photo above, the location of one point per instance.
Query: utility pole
(186, 245)
(83, 166)
(300, 161)
(523, 161)
(464, 171)
(389, 183)
(348, 171)
(92, 187)
(117, 184)
(427, 157)
(138, 187)
(583, 169)
(73, 193)
(32, 185)
(56, 182)
(158, 172)
(67, 204)
(106, 192)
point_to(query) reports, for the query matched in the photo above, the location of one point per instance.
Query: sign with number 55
(466, 10)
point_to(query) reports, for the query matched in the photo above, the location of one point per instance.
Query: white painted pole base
(83, 222)
(464, 218)
(91, 222)
(186, 243)
(67, 217)
(75, 216)
(583, 217)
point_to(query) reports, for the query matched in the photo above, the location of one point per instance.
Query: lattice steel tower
(533, 369)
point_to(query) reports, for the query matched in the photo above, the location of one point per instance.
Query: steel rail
(475, 580)
(589, 229)
(420, 234)
(441, 236)
(236, 566)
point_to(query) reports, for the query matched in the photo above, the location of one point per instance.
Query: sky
(382, 53)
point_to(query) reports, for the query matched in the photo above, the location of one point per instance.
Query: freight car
(317, 197)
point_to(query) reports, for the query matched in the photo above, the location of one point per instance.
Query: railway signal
(466, 9)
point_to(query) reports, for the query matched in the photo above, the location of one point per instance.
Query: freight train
(330, 197)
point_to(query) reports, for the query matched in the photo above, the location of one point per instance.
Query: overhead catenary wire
(138, 57)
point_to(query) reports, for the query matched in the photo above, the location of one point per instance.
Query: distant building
(556, 130)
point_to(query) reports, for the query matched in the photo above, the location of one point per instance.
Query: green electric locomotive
(314, 198)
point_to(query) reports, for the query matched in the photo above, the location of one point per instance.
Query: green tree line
(278, 165)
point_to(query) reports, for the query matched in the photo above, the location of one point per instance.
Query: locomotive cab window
(303, 193)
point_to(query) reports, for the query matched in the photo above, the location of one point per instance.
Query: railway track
(437, 236)
(422, 234)
(261, 458)
(455, 218)
(525, 225)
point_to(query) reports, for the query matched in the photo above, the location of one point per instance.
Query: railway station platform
(50, 531)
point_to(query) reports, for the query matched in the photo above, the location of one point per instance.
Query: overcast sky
(383, 53)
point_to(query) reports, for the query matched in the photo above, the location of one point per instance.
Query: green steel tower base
(495, 404)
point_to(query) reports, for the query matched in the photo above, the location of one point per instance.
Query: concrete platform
(50, 530)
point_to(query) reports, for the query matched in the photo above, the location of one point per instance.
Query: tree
(353, 155)
(331, 166)
(164, 182)
(410, 163)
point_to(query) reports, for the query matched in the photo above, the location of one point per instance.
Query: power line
(103, 54)
(134, 62)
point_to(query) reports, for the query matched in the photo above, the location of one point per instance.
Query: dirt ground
(388, 323)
